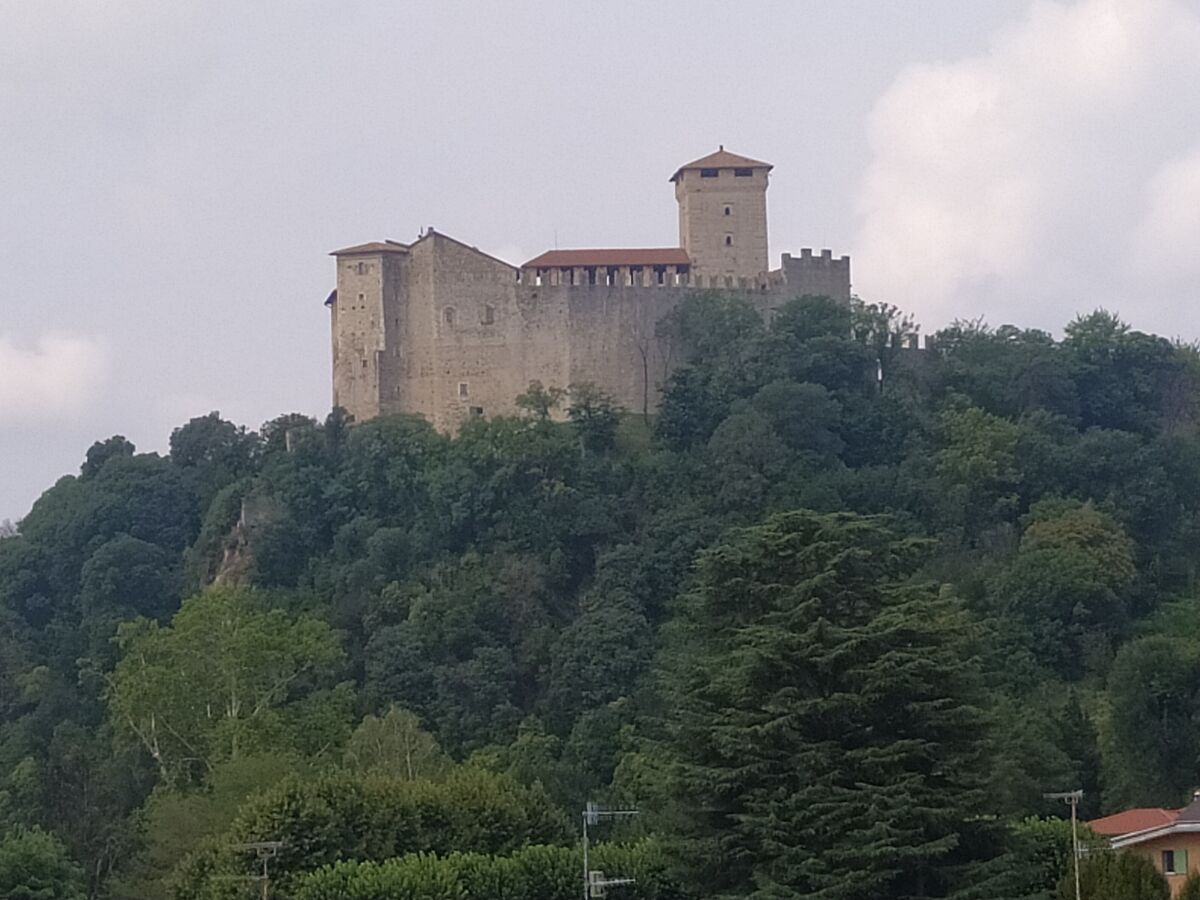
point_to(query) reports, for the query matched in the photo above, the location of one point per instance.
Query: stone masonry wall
(723, 221)
(445, 331)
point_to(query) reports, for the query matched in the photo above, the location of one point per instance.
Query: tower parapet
(817, 276)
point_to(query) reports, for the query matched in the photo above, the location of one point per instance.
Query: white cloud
(54, 379)
(1166, 241)
(989, 171)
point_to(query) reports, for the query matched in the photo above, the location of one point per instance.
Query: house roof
(1133, 820)
(372, 247)
(722, 159)
(642, 256)
(1184, 821)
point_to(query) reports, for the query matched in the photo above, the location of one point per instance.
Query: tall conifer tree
(823, 725)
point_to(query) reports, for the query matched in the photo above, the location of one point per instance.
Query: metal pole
(1074, 842)
(587, 893)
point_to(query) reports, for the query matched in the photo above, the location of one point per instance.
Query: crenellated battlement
(824, 259)
(669, 276)
(818, 275)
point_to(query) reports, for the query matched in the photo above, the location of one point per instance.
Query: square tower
(723, 214)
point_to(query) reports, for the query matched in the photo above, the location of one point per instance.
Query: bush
(35, 866)
(533, 873)
(1115, 876)
(351, 817)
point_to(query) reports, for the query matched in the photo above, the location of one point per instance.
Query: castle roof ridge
(430, 233)
(610, 256)
(722, 159)
(384, 246)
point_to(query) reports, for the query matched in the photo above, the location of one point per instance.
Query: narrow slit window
(448, 315)
(464, 390)
(489, 315)
(729, 210)
(729, 240)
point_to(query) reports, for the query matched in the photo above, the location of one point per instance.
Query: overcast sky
(173, 174)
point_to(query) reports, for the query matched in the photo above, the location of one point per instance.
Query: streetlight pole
(1072, 798)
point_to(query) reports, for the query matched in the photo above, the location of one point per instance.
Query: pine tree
(825, 739)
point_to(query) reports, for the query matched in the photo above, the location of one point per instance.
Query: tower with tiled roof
(722, 201)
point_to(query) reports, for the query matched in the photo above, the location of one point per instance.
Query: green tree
(1154, 722)
(804, 416)
(822, 717)
(1067, 590)
(174, 822)
(1190, 890)
(1040, 855)
(395, 745)
(978, 470)
(214, 684)
(102, 451)
(344, 816)
(35, 866)
(540, 401)
(1115, 876)
(595, 416)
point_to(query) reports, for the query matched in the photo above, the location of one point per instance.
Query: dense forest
(833, 620)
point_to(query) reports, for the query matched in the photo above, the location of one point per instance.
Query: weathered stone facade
(441, 329)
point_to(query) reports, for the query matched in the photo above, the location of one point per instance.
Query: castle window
(476, 412)
(489, 314)
(729, 240)
(660, 274)
(464, 390)
(708, 173)
(362, 268)
(364, 362)
(742, 173)
(729, 210)
(448, 315)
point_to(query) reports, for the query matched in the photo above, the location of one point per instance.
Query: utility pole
(1072, 798)
(265, 851)
(594, 883)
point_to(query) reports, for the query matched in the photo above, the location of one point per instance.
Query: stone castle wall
(445, 331)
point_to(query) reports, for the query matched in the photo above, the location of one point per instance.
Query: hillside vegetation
(834, 620)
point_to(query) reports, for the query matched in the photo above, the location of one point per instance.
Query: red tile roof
(1132, 820)
(657, 256)
(723, 159)
(372, 247)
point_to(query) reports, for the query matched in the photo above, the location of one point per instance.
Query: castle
(441, 329)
